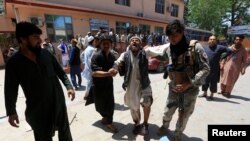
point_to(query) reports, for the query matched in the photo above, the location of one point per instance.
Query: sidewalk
(86, 126)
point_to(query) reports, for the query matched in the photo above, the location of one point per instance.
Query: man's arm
(244, 63)
(97, 69)
(204, 68)
(119, 64)
(156, 50)
(64, 78)
(11, 88)
(103, 73)
(59, 47)
(11, 92)
(225, 51)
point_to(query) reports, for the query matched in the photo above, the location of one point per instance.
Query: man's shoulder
(199, 47)
(14, 60)
(16, 56)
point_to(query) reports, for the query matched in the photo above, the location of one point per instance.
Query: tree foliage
(238, 12)
(216, 15)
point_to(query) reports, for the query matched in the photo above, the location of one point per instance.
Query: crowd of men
(191, 65)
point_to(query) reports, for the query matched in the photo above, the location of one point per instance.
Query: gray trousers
(172, 104)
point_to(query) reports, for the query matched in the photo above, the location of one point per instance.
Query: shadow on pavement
(217, 99)
(240, 97)
(104, 128)
(120, 107)
(3, 117)
(186, 138)
(152, 132)
(126, 133)
(170, 137)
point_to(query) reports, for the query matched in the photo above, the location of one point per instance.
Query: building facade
(67, 18)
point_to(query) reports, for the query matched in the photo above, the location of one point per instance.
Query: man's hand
(113, 72)
(71, 93)
(180, 88)
(13, 120)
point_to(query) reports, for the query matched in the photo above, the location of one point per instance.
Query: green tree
(217, 15)
(238, 13)
(185, 16)
(207, 14)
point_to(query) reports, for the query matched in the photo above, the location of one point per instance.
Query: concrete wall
(147, 7)
(80, 19)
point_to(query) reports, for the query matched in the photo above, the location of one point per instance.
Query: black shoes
(136, 129)
(210, 98)
(141, 129)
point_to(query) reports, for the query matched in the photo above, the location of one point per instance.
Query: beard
(135, 48)
(36, 49)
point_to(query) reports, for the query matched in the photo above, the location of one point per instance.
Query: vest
(143, 68)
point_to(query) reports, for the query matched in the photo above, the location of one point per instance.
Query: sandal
(112, 128)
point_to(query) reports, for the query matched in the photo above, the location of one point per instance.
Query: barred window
(174, 10)
(159, 6)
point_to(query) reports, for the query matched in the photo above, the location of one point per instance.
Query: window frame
(174, 10)
(123, 2)
(160, 6)
(67, 28)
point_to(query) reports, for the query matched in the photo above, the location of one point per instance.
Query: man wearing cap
(86, 42)
(103, 90)
(87, 72)
(133, 65)
(75, 64)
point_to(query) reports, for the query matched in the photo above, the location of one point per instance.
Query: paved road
(86, 125)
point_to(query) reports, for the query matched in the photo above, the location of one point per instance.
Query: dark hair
(240, 36)
(25, 29)
(105, 38)
(174, 27)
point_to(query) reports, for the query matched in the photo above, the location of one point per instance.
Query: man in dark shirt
(103, 91)
(37, 71)
(213, 52)
(75, 64)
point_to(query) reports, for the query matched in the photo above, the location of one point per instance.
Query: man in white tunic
(133, 64)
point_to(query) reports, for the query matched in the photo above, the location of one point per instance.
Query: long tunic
(134, 90)
(233, 66)
(103, 91)
(45, 101)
